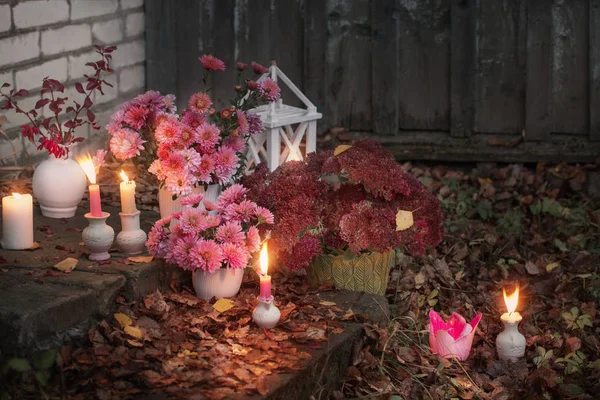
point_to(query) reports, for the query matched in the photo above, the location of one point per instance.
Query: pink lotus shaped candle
(452, 339)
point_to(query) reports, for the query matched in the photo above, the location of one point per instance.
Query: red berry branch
(56, 133)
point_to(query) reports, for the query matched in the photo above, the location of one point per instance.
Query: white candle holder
(98, 237)
(266, 314)
(131, 240)
(510, 343)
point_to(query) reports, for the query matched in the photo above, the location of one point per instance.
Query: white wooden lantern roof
(284, 125)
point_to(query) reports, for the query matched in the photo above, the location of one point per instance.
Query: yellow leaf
(404, 220)
(483, 181)
(327, 303)
(223, 305)
(340, 149)
(134, 343)
(141, 259)
(123, 320)
(419, 280)
(552, 266)
(66, 265)
(134, 332)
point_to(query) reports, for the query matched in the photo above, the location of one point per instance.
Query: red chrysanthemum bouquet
(201, 146)
(54, 130)
(211, 236)
(354, 200)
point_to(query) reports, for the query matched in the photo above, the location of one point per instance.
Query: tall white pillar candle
(17, 221)
(127, 195)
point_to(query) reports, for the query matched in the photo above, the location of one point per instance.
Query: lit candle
(127, 195)
(265, 280)
(87, 165)
(510, 343)
(17, 221)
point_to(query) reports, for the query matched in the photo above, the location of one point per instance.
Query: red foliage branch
(50, 133)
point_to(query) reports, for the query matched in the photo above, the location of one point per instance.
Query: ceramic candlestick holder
(98, 237)
(131, 240)
(510, 343)
(266, 314)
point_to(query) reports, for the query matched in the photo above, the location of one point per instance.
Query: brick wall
(54, 38)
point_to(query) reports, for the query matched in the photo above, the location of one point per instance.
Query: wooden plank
(538, 71)
(287, 45)
(385, 67)
(500, 81)
(189, 70)
(424, 61)
(462, 66)
(348, 74)
(220, 42)
(315, 39)
(570, 74)
(161, 58)
(439, 146)
(594, 90)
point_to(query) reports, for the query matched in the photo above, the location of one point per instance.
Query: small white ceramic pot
(131, 240)
(98, 237)
(266, 315)
(510, 343)
(58, 185)
(225, 282)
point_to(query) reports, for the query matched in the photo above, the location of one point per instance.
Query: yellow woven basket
(367, 272)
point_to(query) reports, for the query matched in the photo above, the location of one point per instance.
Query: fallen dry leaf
(340, 149)
(67, 265)
(123, 320)
(223, 305)
(141, 259)
(327, 303)
(134, 332)
(404, 220)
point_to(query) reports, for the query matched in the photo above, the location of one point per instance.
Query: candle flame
(17, 195)
(87, 165)
(124, 176)
(512, 300)
(264, 259)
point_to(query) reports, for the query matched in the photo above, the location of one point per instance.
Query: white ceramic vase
(225, 282)
(98, 237)
(131, 240)
(169, 206)
(266, 315)
(58, 185)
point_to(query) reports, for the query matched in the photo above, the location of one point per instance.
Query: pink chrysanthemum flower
(187, 136)
(180, 253)
(258, 68)
(226, 161)
(242, 122)
(116, 119)
(200, 102)
(212, 220)
(156, 169)
(207, 137)
(192, 158)
(241, 66)
(192, 221)
(264, 216)
(98, 159)
(253, 240)
(232, 195)
(169, 103)
(235, 143)
(151, 99)
(206, 255)
(192, 200)
(255, 124)
(212, 63)
(234, 256)
(209, 205)
(205, 169)
(157, 241)
(175, 162)
(193, 119)
(168, 131)
(136, 117)
(230, 232)
(126, 144)
(243, 211)
(179, 184)
(269, 89)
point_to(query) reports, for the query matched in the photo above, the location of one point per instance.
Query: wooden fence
(505, 80)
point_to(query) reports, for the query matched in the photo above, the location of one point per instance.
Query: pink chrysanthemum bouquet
(211, 236)
(201, 146)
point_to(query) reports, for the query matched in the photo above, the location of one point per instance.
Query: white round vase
(225, 282)
(58, 185)
(168, 206)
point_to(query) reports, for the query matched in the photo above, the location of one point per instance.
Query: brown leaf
(263, 386)
(67, 265)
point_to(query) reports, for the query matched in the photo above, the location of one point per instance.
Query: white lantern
(288, 129)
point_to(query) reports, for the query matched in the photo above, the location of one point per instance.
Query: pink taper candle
(265, 280)
(87, 165)
(95, 207)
